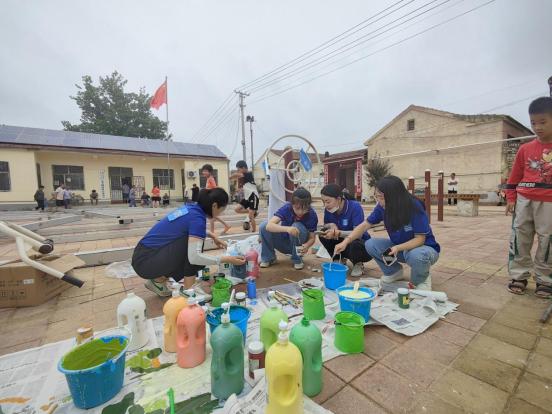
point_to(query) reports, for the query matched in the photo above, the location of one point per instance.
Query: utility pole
(251, 119)
(242, 95)
(550, 85)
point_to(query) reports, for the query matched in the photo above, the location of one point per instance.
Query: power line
(214, 115)
(203, 137)
(262, 98)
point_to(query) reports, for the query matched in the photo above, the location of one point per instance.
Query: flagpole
(167, 139)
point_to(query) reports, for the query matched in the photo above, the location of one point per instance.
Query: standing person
(195, 193)
(126, 192)
(132, 197)
(292, 227)
(39, 198)
(66, 198)
(249, 204)
(411, 240)
(94, 197)
(341, 216)
(207, 172)
(155, 196)
(529, 199)
(173, 247)
(453, 188)
(59, 195)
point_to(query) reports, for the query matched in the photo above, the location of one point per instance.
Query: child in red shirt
(207, 172)
(529, 198)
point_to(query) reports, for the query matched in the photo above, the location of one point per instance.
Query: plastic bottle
(256, 357)
(283, 366)
(227, 362)
(171, 309)
(190, 335)
(251, 288)
(308, 339)
(251, 258)
(132, 312)
(270, 320)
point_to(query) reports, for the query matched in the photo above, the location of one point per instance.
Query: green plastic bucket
(313, 304)
(221, 292)
(349, 332)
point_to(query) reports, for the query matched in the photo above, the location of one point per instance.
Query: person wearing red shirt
(155, 196)
(210, 183)
(529, 199)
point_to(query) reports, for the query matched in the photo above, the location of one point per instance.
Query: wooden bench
(468, 204)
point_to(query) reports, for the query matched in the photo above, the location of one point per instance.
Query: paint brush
(303, 290)
(170, 393)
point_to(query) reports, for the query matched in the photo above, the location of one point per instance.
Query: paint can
(360, 305)
(403, 296)
(349, 332)
(313, 304)
(335, 275)
(95, 370)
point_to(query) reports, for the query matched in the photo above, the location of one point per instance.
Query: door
(183, 176)
(119, 176)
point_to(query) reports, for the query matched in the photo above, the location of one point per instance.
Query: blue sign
(305, 160)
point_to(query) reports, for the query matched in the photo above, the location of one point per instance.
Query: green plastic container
(227, 362)
(308, 339)
(221, 292)
(313, 304)
(349, 332)
(269, 324)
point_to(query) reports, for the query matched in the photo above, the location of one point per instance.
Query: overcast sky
(497, 56)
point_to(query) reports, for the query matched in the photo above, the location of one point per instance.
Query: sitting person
(166, 200)
(94, 197)
(298, 220)
(145, 199)
(341, 216)
(411, 240)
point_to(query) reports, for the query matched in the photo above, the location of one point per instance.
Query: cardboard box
(23, 285)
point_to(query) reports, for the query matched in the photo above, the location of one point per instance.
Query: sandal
(543, 291)
(517, 287)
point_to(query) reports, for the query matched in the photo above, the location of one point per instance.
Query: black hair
(400, 205)
(40, 186)
(207, 167)
(335, 191)
(541, 106)
(241, 164)
(301, 197)
(206, 198)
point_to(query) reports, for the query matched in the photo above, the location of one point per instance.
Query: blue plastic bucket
(239, 316)
(359, 306)
(335, 275)
(95, 371)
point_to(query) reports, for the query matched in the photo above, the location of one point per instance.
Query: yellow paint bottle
(171, 309)
(284, 374)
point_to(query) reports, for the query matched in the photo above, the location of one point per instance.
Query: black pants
(450, 199)
(170, 260)
(39, 205)
(355, 251)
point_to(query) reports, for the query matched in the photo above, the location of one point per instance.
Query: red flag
(160, 96)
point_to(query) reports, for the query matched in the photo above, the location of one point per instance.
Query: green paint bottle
(227, 362)
(308, 339)
(270, 321)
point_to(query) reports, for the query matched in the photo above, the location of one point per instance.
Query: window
(70, 175)
(161, 178)
(203, 180)
(5, 184)
(410, 125)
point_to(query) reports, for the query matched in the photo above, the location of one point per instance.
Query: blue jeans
(282, 242)
(419, 259)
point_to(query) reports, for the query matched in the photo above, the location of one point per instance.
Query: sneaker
(425, 285)
(358, 269)
(393, 278)
(267, 264)
(298, 266)
(160, 289)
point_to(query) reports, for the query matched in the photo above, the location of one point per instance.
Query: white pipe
(6, 229)
(26, 232)
(37, 265)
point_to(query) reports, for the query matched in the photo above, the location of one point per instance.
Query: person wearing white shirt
(453, 188)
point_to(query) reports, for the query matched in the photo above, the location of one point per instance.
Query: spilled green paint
(200, 404)
(120, 407)
(156, 405)
(93, 353)
(142, 361)
(136, 409)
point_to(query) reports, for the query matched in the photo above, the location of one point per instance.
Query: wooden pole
(411, 185)
(428, 193)
(440, 196)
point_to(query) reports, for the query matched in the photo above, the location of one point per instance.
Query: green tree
(108, 109)
(376, 169)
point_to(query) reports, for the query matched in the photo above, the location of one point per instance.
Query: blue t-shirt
(188, 220)
(419, 224)
(351, 216)
(288, 217)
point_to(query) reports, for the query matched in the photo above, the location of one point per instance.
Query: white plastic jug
(132, 312)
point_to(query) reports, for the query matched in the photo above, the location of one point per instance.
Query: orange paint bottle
(191, 335)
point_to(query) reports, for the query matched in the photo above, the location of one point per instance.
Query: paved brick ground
(491, 356)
